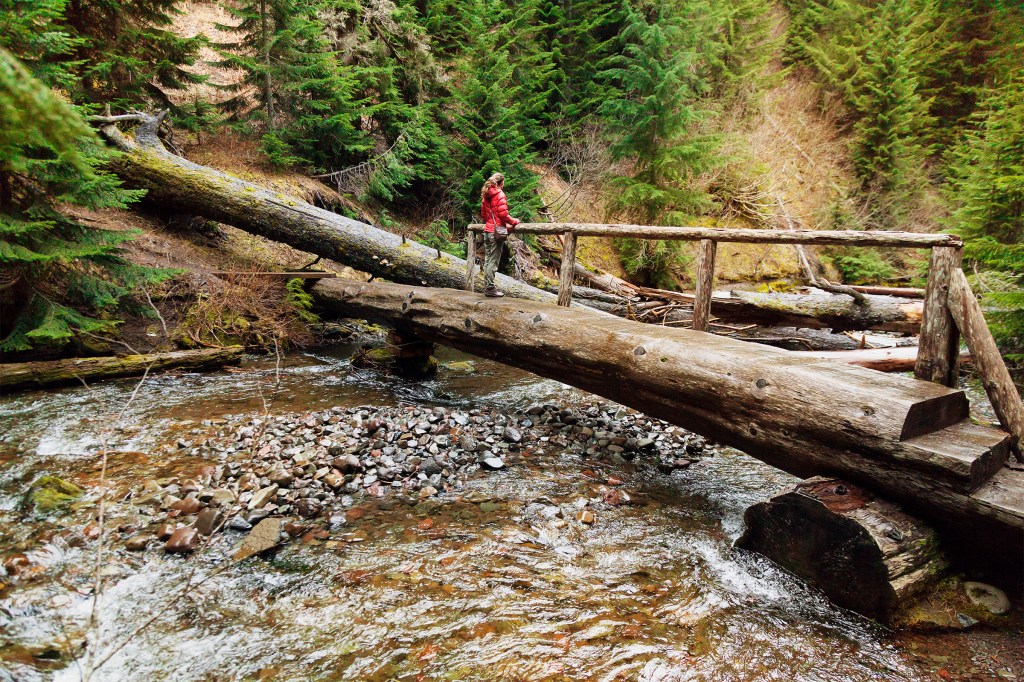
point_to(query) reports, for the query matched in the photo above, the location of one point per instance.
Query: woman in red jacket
(494, 211)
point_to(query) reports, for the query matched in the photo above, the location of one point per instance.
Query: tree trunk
(176, 183)
(78, 370)
(910, 439)
(866, 554)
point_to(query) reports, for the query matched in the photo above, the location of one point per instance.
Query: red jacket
(494, 207)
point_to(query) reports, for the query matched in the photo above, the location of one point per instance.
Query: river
(474, 585)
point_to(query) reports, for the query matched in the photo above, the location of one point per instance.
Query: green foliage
(117, 52)
(57, 273)
(300, 300)
(988, 188)
(653, 119)
(860, 265)
(438, 236)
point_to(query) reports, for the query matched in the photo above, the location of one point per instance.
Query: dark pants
(492, 256)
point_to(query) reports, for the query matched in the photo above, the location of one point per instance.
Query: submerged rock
(263, 537)
(50, 493)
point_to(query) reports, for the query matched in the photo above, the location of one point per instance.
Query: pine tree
(490, 123)
(306, 104)
(894, 122)
(57, 274)
(652, 121)
(988, 188)
(128, 51)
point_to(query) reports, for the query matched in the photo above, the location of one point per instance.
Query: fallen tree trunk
(173, 182)
(84, 370)
(880, 359)
(905, 438)
(178, 184)
(866, 554)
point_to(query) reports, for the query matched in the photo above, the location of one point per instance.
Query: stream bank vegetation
(401, 108)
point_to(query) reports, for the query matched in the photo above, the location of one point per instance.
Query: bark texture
(866, 554)
(77, 370)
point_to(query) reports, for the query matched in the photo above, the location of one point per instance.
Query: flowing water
(479, 585)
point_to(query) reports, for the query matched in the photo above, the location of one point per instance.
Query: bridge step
(976, 453)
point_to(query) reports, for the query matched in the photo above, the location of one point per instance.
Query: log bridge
(909, 439)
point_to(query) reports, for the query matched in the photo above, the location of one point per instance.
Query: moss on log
(23, 375)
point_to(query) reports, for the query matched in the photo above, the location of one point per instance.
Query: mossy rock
(50, 493)
(462, 366)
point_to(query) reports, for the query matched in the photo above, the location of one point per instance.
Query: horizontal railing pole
(919, 240)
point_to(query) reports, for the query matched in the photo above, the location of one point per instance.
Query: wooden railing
(950, 308)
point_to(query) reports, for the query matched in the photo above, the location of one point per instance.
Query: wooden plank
(470, 259)
(567, 271)
(304, 274)
(900, 292)
(1006, 401)
(76, 370)
(921, 240)
(705, 284)
(938, 357)
(899, 359)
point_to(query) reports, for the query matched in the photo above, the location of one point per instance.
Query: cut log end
(864, 553)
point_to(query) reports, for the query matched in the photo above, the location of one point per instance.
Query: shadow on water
(487, 585)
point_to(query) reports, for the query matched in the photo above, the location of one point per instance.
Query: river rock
(988, 597)
(262, 497)
(347, 464)
(281, 478)
(492, 463)
(309, 507)
(263, 537)
(183, 541)
(512, 435)
(164, 531)
(187, 506)
(209, 520)
(586, 516)
(138, 543)
(238, 523)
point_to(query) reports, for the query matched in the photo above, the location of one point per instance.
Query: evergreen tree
(490, 123)
(988, 188)
(306, 103)
(653, 121)
(889, 148)
(128, 51)
(57, 274)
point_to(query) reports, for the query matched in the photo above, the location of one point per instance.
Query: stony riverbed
(305, 470)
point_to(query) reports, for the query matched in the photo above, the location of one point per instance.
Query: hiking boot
(493, 293)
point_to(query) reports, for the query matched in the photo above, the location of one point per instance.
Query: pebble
(238, 523)
(264, 536)
(209, 520)
(183, 541)
(493, 463)
(262, 497)
(138, 543)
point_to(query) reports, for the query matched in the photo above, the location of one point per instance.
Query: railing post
(705, 284)
(938, 353)
(565, 275)
(470, 258)
(1006, 401)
